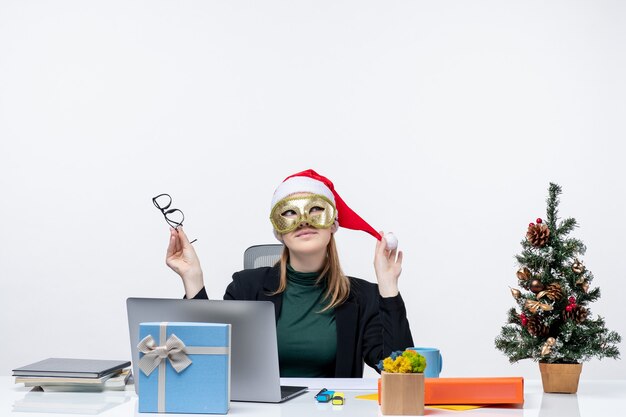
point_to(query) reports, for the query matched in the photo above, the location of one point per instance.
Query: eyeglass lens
(162, 201)
(173, 217)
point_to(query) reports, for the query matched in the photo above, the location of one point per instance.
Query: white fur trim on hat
(296, 185)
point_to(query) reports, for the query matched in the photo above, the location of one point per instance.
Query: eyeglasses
(173, 216)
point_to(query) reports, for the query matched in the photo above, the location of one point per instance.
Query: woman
(328, 324)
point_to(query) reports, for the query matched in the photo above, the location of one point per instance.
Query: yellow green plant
(405, 362)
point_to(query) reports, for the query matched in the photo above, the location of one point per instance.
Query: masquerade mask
(290, 212)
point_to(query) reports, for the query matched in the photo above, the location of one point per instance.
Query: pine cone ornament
(538, 234)
(553, 291)
(537, 327)
(578, 314)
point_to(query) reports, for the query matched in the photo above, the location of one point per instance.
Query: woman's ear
(334, 228)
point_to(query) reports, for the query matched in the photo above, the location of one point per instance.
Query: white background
(443, 121)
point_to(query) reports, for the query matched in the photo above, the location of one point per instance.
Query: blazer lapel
(346, 319)
(270, 284)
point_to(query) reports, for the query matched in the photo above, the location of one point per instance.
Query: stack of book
(62, 374)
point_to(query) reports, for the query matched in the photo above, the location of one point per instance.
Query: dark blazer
(369, 327)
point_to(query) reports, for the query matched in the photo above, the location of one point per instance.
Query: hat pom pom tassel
(392, 241)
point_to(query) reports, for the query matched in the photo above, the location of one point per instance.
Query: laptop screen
(254, 352)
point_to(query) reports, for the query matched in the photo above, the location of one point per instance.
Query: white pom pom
(392, 241)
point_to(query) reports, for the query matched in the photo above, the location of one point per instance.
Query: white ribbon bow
(174, 350)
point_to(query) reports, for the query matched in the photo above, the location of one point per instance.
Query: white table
(594, 398)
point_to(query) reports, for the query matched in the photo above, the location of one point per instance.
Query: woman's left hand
(388, 266)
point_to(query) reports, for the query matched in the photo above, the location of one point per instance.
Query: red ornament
(523, 319)
(572, 300)
(538, 220)
(531, 224)
(570, 307)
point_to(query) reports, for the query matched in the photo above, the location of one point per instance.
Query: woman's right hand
(181, 258)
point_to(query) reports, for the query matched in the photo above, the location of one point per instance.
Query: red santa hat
(310, 181)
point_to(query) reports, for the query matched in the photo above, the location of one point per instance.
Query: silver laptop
(254, 352)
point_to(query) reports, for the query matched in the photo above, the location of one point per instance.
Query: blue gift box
(184, 368)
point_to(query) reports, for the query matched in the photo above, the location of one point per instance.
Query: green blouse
(307, 338)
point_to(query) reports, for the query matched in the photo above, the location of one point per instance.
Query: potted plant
(553, 323)
(402, 385)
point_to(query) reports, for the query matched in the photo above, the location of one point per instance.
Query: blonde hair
(338, 285)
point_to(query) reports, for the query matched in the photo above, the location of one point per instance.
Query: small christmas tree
(554, 323)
